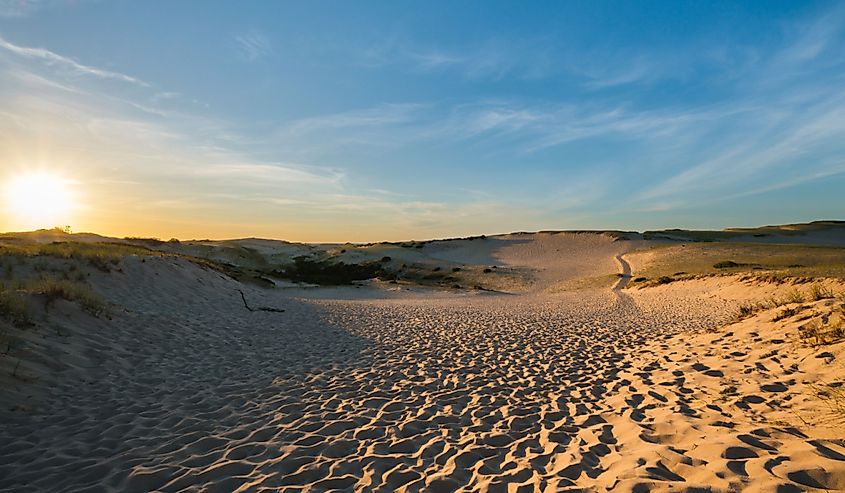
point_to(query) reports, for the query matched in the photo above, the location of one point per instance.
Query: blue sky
(359, 121)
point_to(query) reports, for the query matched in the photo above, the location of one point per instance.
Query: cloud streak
(51, 58)
(792, 123)
(19, 8)
(253, 45)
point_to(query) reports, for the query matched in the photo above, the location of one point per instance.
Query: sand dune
(415, 390)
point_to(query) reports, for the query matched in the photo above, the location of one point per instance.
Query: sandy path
(625, 273)
(191, 391)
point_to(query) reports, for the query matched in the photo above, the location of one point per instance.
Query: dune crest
(391, 388)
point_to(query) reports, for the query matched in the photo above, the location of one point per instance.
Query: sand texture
(391, 389)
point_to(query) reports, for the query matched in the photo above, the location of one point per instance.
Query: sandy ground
(365, 389)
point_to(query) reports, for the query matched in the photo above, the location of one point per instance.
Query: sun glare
(38, 200)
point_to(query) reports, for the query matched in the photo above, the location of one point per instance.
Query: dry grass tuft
(822, 334)
(54, 289)
(819, 291)
(13, 307)
(795, 296)
(102, 256)
(833, 395)
(786, 313)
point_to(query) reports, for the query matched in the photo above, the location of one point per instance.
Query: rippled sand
(186, 390)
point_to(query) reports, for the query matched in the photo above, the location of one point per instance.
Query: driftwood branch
(260, 308)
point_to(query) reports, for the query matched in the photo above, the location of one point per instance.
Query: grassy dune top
(808, 231)
(664, 263)
(100, 255)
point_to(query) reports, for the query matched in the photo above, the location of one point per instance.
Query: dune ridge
(185, 389)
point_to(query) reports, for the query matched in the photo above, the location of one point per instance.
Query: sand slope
(185, 389)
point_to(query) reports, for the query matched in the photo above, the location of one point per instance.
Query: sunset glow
(38, 200)
(422, 246)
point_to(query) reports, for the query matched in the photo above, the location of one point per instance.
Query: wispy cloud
(509, 127)
(492, 58)
(117, 136)
(164, 96)
(431, 60)
(19, 8)
(272, 173)
(381, 115)
(533, 127)
(495, 58)
(812, 38)
(793, 139)
(628, 71)
(253, 45)
(51, 58)
(792, 123)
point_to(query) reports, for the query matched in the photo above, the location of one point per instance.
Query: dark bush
(328, 273)
(151, 242)
(725, 264)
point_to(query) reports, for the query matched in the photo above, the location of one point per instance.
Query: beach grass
(772, 262)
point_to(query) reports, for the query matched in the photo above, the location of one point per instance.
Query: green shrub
(329, 273)
(664, 280)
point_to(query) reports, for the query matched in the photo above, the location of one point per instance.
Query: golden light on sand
(38, 200)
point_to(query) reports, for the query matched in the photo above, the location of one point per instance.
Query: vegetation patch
(53, 289)
(795, 296)
(328, 273)
(726, 264)
(102, 256)
(822, 334)
(786, 313)
(832, 394)
(13, 307)
(768, 262)
(819, 291)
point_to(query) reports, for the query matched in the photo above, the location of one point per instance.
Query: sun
(38, 200)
